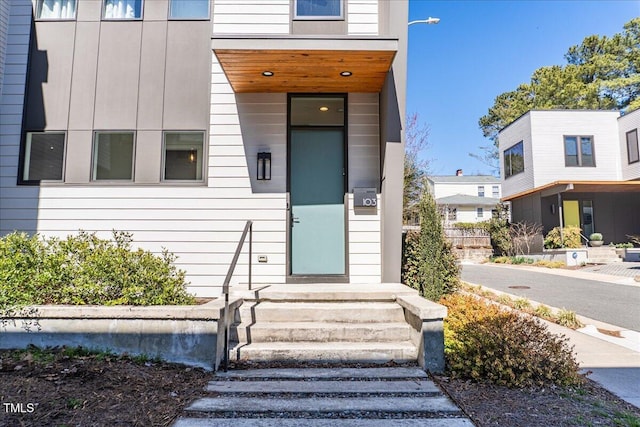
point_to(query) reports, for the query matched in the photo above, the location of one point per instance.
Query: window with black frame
(514, 160)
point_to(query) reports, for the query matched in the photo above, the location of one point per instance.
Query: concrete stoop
(332, 323)
(401, 396)
(602, 255)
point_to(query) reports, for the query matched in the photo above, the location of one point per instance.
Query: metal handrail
(248, 228)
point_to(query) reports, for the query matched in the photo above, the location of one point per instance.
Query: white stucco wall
(627, 123)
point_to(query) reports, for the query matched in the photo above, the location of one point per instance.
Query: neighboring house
(179, 121)
(463, 198)
(574, 167)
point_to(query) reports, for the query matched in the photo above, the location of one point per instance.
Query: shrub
(84, 269)
(486, 343)
(498, 228)
(550, 264)
(596, 237)
(568, 319)
(429, 263)
(570, 238)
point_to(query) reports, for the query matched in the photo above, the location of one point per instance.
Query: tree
(415, 166)
(601, 73)
(430, 265)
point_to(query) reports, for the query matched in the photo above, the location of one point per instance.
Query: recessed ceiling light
(346, 73)
(323, 108)
(267, 73)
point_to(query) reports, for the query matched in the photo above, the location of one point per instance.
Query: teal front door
(317, 201)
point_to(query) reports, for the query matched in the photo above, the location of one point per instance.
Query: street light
(429, 20)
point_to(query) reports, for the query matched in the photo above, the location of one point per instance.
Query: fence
(468, 238)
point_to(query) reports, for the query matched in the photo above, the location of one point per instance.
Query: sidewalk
(611, 361)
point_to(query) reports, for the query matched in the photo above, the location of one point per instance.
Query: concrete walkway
(324, 397)
(609, 354)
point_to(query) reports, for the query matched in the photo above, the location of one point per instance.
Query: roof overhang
(305, 65)
(558, 187)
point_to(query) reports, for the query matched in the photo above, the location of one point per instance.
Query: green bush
(84, 269)
(429, 263)
(570, 238)
(498, 228)
(487, 344)
(596, 237)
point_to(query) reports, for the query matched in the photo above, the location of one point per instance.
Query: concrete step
(324, 292)
(356, 374)
(341, 312)
(320, 405)
(323, 332)
(374, 352)
(322, 422)
(330, 386)
(603, 260)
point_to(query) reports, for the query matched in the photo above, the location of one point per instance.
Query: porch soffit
(310, 65)
(580, 187)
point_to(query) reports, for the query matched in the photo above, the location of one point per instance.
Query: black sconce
(264, 166)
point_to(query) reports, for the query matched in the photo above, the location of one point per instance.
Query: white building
(463, 198)
(574, 167)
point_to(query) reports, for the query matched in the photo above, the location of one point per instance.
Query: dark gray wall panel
(152, 59)
(118, 74)
(187, 81)
(83, 86)
(148, 157)
(78, 159)
(50, 76)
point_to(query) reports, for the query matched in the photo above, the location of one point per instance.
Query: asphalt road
(610, 303)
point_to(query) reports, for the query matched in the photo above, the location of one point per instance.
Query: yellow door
(571, 213)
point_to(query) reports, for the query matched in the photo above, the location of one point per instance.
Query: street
(615, 304)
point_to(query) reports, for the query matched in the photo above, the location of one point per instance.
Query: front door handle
(295, 219)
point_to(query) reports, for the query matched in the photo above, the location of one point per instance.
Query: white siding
(519, 130)
(445, 189)
(547, 133)
(627, 123)
(364, 243)
(364, 141)
(362, 17)
(251, 17)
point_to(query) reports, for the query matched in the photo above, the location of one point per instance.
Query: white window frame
(495, 191)
(318, 18)
(481, 191)
(480, 212)
(94, 158)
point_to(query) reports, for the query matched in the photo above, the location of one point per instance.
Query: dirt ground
(64, 388)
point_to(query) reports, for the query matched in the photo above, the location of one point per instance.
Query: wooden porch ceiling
(299, 70)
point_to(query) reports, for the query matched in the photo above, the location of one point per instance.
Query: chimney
(459, 172)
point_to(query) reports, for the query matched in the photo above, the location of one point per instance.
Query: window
(122, 9)
(183, 156)
(514, 160)
(578, 151)
(113, 156)
(495, 191)
(189, 9)
(480, 190)
(452, 214)
(633, 152)
(56, 9)
(318, 9)
(43, 156)
(480, 212)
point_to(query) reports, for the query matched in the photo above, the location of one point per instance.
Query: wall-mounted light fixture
(264, 166)
(346, 73)
(267, 73)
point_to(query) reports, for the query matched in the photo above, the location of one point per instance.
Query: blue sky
(481, 49)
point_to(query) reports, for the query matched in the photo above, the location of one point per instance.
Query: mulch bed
(94, 391)
(588, 405)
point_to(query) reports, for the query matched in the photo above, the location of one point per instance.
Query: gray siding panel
(118, 74)
(148, 156)
(50, 76)
(78, 158)
(83, 85)
(188, 73)
(152, 60)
